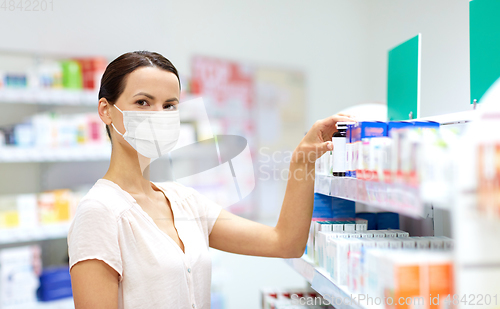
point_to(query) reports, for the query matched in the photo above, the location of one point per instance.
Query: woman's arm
(95, 285)
(288, 238)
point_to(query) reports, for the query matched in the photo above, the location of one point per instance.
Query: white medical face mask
(151, 133)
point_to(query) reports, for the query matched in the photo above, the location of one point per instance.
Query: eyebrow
(152, 98)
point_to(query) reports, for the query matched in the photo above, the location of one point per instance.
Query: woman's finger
(329, 123)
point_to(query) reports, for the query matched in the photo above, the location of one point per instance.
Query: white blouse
(153, 271)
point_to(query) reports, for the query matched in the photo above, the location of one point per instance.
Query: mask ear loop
(112, 124)
(116, 129)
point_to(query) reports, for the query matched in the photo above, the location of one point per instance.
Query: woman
(136, 244)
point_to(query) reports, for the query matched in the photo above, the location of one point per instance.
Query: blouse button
(192, 306)
(189, 271)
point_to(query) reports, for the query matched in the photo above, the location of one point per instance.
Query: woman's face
(146, 89)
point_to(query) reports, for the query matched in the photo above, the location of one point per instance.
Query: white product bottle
(339, 150)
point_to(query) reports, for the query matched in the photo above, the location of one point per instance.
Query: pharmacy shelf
(43, 232)
(11, 154)
(339, 296)
(453, 118)
(402, 199)
(49, 96)
(64, 303)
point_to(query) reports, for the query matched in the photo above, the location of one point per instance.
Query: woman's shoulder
(105, 196)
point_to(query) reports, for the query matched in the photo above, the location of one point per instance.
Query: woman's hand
(318, 139)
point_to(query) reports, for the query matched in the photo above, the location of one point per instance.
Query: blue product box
(55, 283)
(328, 207)
(364, 132)
(322, 206)
(342, 208)
(349, 152)
(354, 149)
(425, 124)
(395, 125)
(369, 129)
(370, 217)
(387, 220)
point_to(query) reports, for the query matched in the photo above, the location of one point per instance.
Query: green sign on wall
(484, 46)
(403, 80)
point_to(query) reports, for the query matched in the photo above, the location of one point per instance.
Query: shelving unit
(81, 154)
(403, 199)
(389, 197)
(11, 154)
(44, 232)
(48, 97)
(30, 170)
(322, 283)
(416, 203)
(66, 303)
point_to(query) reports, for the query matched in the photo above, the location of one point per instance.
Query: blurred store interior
(261, 70)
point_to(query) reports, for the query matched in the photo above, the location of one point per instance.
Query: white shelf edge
(14, 154)
(63, 303)
(402, 199)
(49, 97)
(323, 284)
(453, 118)
(42, 232)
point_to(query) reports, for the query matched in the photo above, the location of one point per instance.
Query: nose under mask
(152, 134)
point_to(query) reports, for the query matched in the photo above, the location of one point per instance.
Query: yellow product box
(46, 208)
(9, 217)
(63, 199)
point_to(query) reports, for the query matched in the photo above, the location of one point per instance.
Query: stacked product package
(23, 281)
(391, 152)
(384, 263)
(19, 270)
(74, 74)
(369, 256)
(51, 130)
(28, 211)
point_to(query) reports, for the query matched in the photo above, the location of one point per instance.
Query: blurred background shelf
(48, 96)
(65, 303)
(44, 232)
(39, 154)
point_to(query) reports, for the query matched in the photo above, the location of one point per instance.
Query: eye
(141, 102)
(170, 107)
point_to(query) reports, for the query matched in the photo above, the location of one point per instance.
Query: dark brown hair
(114, 77)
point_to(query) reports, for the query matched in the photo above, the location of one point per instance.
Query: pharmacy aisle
(52, 147)
(426, 195)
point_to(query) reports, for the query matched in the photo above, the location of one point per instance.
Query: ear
(104, 111)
